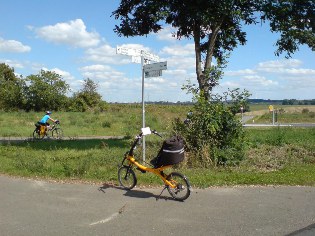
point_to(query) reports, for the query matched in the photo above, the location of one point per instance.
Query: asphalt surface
(35, 207)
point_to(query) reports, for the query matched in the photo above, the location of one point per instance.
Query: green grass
(273, 156)
(118, 120)
(294, 117)
(270, 160)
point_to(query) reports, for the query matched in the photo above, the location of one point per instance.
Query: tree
(216, 26)
(87, 98)
(11, 89)
(294, 19)
(46, 91)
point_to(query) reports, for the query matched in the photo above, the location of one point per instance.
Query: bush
(213, 134)
(305, 110)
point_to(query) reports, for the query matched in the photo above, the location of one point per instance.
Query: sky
(75, 38)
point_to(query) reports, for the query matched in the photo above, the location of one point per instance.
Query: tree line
(46, 90)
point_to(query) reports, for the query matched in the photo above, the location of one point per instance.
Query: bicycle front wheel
(182, 186)
(127, 177)
(57, 133)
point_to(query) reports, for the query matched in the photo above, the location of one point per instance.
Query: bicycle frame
(158, 171)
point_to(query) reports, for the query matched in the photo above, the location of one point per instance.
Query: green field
(118, 120)
(285, 114)
(284, 156)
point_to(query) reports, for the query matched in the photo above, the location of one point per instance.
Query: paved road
(33, 207)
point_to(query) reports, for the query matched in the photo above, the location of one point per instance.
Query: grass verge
(273, 157)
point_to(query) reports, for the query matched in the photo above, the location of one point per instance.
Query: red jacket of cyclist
(45, 119)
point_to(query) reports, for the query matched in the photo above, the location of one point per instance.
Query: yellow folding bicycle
(176, 183)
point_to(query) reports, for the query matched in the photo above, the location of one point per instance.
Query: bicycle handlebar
(156, 133)
(138, 137)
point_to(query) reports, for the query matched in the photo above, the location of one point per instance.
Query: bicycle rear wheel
(37, 134)
(127, 177)
(182, 190)
(57, 133)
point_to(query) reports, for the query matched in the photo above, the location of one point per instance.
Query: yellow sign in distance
(271, 108)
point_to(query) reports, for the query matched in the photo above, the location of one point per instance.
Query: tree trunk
(204, 81)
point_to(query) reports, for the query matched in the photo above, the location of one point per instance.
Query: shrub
(213, 134)
(305, 110)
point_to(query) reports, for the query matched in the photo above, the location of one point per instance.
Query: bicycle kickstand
(158, 197)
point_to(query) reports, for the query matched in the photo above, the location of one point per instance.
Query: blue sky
(76, 40)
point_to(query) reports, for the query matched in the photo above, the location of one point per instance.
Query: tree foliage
(213, 134)
(87, 98)
(11, 89)
(216, 26)
(46, 91)
(294, 19)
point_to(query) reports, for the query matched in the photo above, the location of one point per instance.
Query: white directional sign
(127, 51)
(150, 56)
(137, 59)
(137, 53)
(153, 73)
(155, 66)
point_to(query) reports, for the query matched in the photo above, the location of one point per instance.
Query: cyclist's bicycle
(176, 183)
(54, 131)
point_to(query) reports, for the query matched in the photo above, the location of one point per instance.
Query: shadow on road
(135, 193)
(309, 230)
(145, 194)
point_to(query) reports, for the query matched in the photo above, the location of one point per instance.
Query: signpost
(156, 66)
(155, 69)
(148, 70)
(273, 113)
(154, 73)
(242, 110)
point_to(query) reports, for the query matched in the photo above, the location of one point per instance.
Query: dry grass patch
(266, 158)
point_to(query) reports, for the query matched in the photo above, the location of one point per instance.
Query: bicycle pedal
(143, 171)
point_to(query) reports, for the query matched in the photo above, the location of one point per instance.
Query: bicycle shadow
(135, 193)
(145, 194)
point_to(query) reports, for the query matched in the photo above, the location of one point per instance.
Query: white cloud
(103, 74)
(276, 64)
(71, 33)
(95, 68)
(13, 46)
(105, 54)
(286, 69)
(14, 64)
(167, 34)
(64, 74)
(256, 80)
(240, 72)
(277, 79)
(179, 50)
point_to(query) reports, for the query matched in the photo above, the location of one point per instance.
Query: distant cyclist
(45, 119)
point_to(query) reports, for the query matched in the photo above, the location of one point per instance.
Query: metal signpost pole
(143, 108)
(273, 117)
